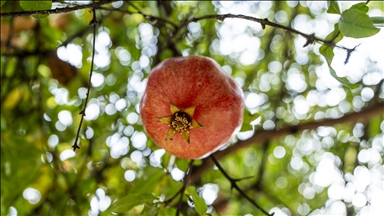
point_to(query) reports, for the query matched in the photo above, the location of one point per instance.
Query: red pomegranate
(191, 107)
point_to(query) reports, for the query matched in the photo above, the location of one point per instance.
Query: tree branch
(181, 190)
(234, 185)
(82, 113)
(311, 38)
(221, 202)
(261, 136)
(55, 11)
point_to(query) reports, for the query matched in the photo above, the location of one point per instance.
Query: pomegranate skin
(186, 82)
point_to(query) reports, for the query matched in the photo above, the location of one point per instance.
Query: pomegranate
(191, 107)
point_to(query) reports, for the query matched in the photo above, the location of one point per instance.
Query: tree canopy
(73, 74)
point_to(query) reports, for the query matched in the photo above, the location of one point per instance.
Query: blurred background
(312, 144)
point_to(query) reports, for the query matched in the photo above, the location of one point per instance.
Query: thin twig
(349, 52)
(234, 185)
(221, 202)
(311, 38)
(182, 189)
(82, 113)
(55, 11)
(166, 202)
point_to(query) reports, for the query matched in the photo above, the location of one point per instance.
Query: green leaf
(36, 6)
(167, 211)
(377, 21)
(16, 153)
(328, 54)
(248, 118)
(361, 7)
(333, 7)
(356, 24)
(200, 205)
(2, 2)
(150, 210)
(133, 199)
(154, 8)
(334, 37)
(149, 184)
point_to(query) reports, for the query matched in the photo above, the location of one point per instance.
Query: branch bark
(55, 11)
(311, 38)
(262, 136)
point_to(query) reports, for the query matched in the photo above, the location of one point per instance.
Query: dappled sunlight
(209, 192)
(12, 211)
(61, 95)
(32, 195)
(155, 157)
(349, 187)
(53, 140)
(99, 202)
(103, 43)
(279, 152)
(303, 144)
(67, 154)
(254, 100)
(130, 175)
(97, 79)
(47, 158)
(65, 117)
(177, 174)
(119, 145)
(123, 55)
(245, 135)
(139, 140)
(132, 118)
(71, 53)
(92, 111)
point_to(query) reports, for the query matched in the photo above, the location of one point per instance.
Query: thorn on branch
(93, 22)
(349, 52)
(75, 146)
(264, 22)
(310, 40)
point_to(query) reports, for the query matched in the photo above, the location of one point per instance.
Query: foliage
(312, 137)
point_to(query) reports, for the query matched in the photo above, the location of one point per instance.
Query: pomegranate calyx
(180, 121)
